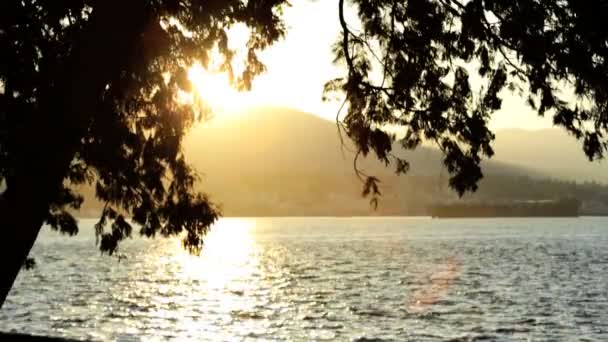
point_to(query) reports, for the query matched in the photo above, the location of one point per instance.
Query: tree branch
(345, 32)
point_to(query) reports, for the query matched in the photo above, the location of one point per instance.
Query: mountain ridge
(283, 162)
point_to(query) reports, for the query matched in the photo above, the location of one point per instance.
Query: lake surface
(355, 279)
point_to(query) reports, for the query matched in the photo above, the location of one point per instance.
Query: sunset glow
(257, 170)
(215, 90)
(299, 65)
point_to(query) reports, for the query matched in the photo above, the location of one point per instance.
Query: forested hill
(276, 161)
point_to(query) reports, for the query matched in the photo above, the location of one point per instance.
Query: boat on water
(568, 207)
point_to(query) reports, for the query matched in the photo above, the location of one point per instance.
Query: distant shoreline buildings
(566, 207)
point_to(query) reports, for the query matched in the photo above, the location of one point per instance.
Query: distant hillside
(549, 151)
(277, 161)
(269, 138)
(285, 140)
(282, 162)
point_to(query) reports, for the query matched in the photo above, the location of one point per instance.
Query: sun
(216, 91)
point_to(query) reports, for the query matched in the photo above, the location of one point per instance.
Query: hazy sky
(299, 65)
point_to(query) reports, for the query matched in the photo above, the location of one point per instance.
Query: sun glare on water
(218, 280)
(228, 254)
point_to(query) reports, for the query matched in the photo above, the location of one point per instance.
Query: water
(355, 279)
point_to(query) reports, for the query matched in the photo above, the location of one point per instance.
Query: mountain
(269, 139)
(281, 162)
(549, 151)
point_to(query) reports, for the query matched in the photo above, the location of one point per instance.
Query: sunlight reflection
(435, 285)
(196, 295)
(229, 254)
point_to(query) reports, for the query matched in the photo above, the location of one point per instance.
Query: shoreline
(10, 336)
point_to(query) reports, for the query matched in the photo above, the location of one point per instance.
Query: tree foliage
(130, 151)
(410, 66)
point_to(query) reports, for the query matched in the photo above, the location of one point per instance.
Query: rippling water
(326, 279)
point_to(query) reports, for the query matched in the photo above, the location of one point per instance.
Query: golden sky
(299, 65)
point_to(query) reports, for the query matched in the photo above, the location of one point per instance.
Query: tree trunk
(48, 144)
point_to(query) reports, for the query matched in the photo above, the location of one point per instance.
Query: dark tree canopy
(130, 149)
(409, 64)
